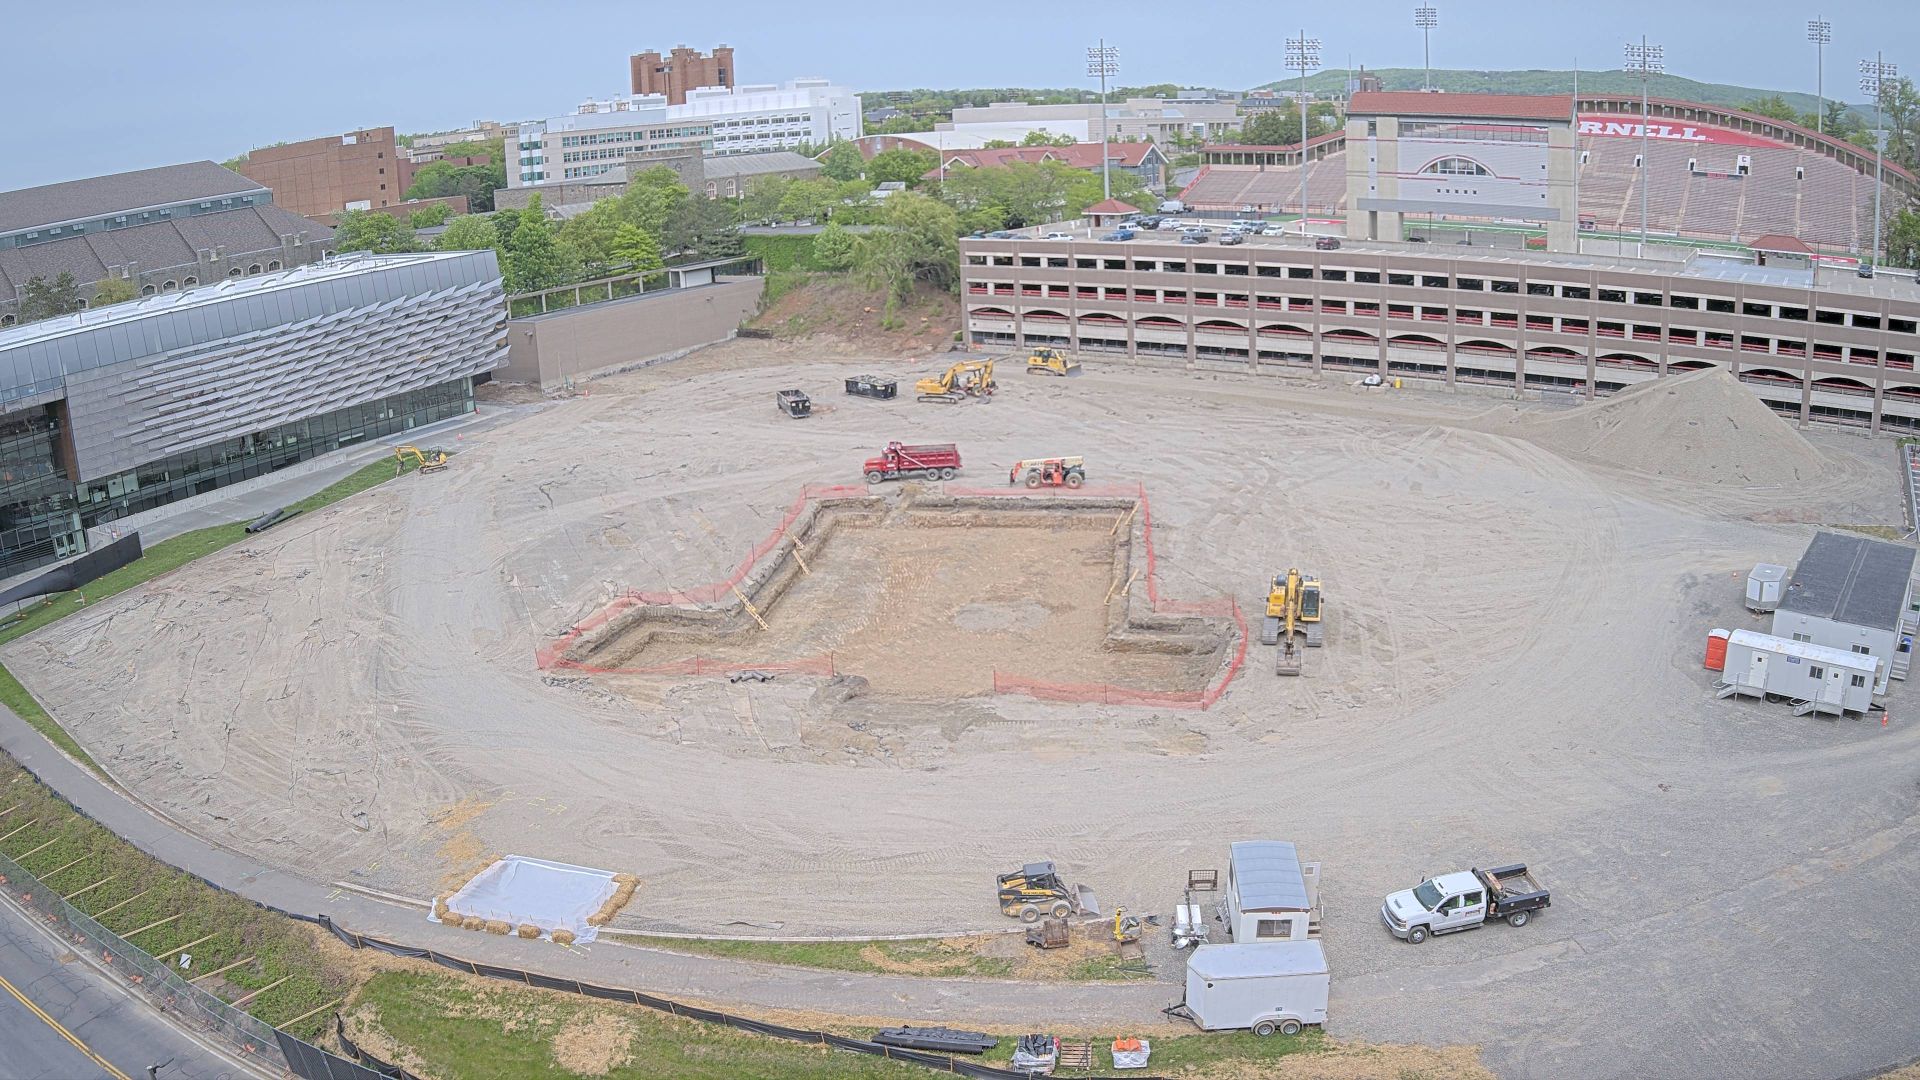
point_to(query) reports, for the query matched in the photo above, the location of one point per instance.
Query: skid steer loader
(1035, 890)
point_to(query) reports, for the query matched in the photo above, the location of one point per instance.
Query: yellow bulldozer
(1049, 361)
(428, 460)
(968, 378)
(1293, 605)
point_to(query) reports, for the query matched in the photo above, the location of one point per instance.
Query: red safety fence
(551, 654)
(701, 665)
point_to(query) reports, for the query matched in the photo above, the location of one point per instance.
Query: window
(1506, 286)
(1333, 275)
(1900, 326)
(1714, 304)
(1576, 292)
(1831, 318)
(1369, 277)
(1858, 680)
(1803, 637)
(1648, 299)
(1691, 303)
(1539, 288)
(1471, 899)
(1471, 284)
(1868, 322)
(1862, 650)
(1816, 672)
(1432, 282)
(1613, 296)
(1299, 271)
(1762, 311)
(1456, 166)
(1273, 928)
(1399, 279)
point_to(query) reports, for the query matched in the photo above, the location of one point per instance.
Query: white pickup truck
(1464, 900)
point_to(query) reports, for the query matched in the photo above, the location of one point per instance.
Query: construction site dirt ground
(1511, 673)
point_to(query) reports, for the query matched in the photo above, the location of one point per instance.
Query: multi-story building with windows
(596, 138)
(163, 229)
(110, 413)
(680, 72)
(1815, 344)
(361, 170)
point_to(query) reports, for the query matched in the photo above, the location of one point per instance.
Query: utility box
(1271, 894)
(1264, 987)
(1765, 583)
(1816, 678)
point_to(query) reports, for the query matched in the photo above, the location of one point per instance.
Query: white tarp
(550, 895)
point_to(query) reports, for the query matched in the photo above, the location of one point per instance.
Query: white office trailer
(1264, 986)
(1765, 585)
(1271, 895)
(1815, 678)
(1854, 594)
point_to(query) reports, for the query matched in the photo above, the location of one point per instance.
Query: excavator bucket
(1089, 903)
(1288, 661)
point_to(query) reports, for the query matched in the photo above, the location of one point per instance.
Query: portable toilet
(1765, 584)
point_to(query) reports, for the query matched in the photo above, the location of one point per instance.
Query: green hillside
(1552, 82)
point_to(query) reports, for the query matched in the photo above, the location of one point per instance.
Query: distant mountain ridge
(1552, 82)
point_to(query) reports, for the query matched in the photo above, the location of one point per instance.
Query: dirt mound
(837, 308)
(1703, 427)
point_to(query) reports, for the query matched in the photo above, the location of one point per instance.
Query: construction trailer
(1815, 678)
(1855, 594)
(1270, 895)
(1262, 986)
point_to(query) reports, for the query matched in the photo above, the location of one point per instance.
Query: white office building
(596, 138)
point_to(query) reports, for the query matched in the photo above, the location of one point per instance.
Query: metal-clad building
(1855, 594)
(107, 413)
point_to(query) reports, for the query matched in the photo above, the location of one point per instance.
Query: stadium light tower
(1645, 61)
(1875, 74)
(1426, 18)
(1820, 32)
(1303, 55)
(1103, 62)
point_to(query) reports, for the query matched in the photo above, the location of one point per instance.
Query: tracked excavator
(968, 378)
(1293, 605)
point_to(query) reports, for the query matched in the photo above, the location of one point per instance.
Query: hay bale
(563, 937)
(472, 922)
(498, 926)
(626, 884)
(528, 931)
(440, 909)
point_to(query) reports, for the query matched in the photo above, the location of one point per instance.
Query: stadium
(662, 629)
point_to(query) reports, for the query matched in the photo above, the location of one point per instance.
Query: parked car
(1149, 221)
(1232, 237)
(1326, 243)
(1167, 225)
(1416, 239)
(1172, 206)
(1119, 234)
(1057, 236)
(1248, 223)
(1464, 900)
(1274, 230)
(999, 234)
(1193, 238)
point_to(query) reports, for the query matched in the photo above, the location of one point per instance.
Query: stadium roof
(1469, 106)
(1078, 155)
(75, 200)
(1290, 148)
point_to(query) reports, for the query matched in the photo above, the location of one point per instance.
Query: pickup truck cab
(1464, 900)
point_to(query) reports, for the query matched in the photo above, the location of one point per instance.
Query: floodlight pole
(1873, 76)
(1648, 61)
(1303, 53)
(1820, 32)
(1104, 61)
(1426, 18)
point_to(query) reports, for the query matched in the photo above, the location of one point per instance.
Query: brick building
(680, 71)
(361, 170)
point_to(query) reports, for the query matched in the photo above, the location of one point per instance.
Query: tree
(636, 248)
(652, 198)
(43, 299)
(1025, 193)
(535, 259)
(999, 144)
(476, 182)
(901, 164)
(913, 245)
(1774, 106)
(762, 199)
(1902, 240)
(428, 216)
(472, 233)
(375, 231)
(704, 229)
(1281, 127)
(1041, 138)
(113, 290)
(809, 200)
(834, 247)
(843, 161)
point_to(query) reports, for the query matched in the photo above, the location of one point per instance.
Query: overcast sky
(110, 85)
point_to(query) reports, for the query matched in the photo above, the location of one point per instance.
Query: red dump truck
(937, 461)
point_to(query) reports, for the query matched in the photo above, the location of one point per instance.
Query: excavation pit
(926, 596)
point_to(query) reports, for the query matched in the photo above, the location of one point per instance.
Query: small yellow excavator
(968, 378)
(1293, 603)
(428, 460)
(1044, 360)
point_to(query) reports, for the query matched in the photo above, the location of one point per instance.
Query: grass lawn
(170, 554)
(940, 958)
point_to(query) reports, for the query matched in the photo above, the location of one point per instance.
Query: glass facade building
(39, 522)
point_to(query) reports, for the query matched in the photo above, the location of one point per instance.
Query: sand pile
(1703, 427)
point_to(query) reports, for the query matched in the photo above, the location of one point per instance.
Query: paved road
(62, 1019)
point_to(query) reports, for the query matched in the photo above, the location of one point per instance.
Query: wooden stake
(184, 948)
(151, 925)
(21, 829)
(36, 851)
(68, 866)
(748, 604)
(222, 970)
(800, 558)
(1121, 589)
(9, 810)
(309, 1013)
(244, 998)
(96, 917)
(69, 897)
(1124, 519)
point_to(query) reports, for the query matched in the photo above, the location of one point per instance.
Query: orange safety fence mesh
(552, 653)
(700, 665)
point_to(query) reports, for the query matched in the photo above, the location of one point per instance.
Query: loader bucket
(1089, 903)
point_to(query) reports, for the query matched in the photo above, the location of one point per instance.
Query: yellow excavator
(428, 460)
(1293, 603)
(1044, 360)
(968, 378)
